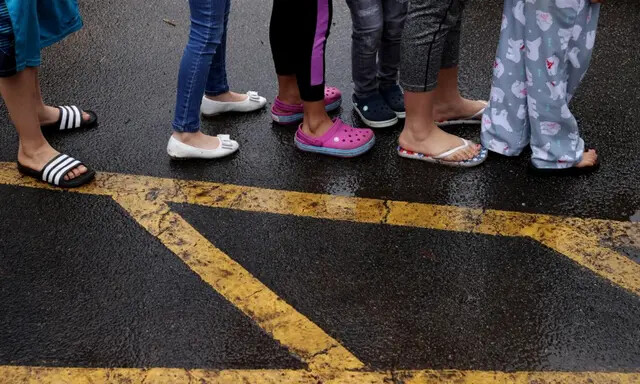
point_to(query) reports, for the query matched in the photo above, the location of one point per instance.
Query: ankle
(315, 125)
(33, 150)
(186, 137)
(446, 100)
(416, 133)
(219, 97)
(43, 112)
(290, 98)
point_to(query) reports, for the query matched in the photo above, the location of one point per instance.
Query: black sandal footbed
(70, 115)
(54, 171)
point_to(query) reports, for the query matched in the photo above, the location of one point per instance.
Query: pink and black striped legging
(298, 33)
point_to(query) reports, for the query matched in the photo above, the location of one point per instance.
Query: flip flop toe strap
(70, 117)
(478, 114)
(53, 173)
(452, 151)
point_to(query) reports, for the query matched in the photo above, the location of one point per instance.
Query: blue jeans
(203, 66)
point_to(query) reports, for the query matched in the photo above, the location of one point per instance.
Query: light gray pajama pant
(544, 52)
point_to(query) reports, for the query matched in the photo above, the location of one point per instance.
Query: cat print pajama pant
(544, 52)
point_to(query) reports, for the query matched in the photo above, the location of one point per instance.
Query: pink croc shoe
(341, 140)
(283, 113)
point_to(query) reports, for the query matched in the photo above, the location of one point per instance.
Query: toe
(76, 172)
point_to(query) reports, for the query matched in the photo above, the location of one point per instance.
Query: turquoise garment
(40, 23)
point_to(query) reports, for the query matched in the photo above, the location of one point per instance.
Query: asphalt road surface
(277, 266)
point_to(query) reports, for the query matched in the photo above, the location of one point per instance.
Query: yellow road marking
(581, 240)
(39, 375)
(585, 241)
(237, 285)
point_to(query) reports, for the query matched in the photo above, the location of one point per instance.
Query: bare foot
(436, 143)
(37, 158)
(317, 129)
(228, 97)
(459, 109)
(589, 159)
(197, 139)
(50, 115)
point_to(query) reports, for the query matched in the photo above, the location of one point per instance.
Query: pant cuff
(314, 94)
(419, 88)
(450, 64)
(185, 128)
(217, 92)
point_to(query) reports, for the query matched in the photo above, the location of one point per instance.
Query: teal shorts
(7, 43)
(27, 26)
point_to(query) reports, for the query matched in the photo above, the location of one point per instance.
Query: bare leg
(48, 114)
(288, 91)
(22, 98)
(449, 104)
(316, 121)
(420, 133)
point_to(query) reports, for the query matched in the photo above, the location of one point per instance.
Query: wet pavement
(500, 271)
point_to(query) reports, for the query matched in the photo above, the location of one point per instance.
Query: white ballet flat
(251, 103)
(180, 151)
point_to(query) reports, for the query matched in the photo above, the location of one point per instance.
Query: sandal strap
(70, 117)
(452, 151)
(59, 166)
(479, 113)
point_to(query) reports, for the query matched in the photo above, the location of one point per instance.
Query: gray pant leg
(425, 38)
(395, 14)
(451, 52)
(366, 38)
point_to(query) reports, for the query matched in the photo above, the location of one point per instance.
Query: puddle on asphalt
(635, 218)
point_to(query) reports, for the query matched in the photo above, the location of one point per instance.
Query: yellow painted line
(40, 375)
(237, 285)
(146, 198)
(585, 241)
(479, 377)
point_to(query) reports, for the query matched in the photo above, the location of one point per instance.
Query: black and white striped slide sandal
(54, 171)
(71, 118)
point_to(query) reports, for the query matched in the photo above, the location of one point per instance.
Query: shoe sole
(298, 117)
(230, 111)
(453, 164)
(343, 153)
(377, 124)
